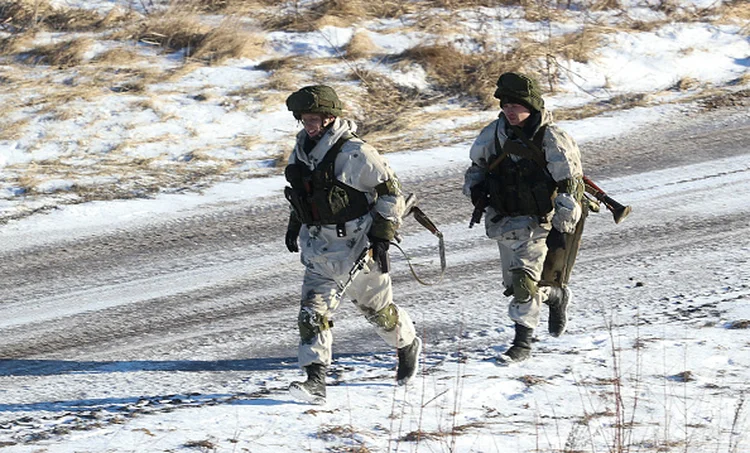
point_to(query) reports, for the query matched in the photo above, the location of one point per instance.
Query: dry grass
(621, 102)
(63, 54)
(385, 105)
(174, 32)
(578, 46)
(333, 12)
(171, 32)
(736, 11)
(118, 56)
(472, 76)
(226, 42)
(31, 14)
(360, 46)
(16, 43)
(13, 130)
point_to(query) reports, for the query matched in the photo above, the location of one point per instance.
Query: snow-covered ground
(657, 357)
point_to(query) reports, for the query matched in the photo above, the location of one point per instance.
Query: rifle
(619, 212)
(410, 208)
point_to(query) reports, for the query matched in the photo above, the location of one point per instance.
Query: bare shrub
(63, 54)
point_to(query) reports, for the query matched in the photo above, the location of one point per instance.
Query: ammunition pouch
(318, 198)
(520, 188)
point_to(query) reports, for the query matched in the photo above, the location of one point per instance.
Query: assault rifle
(619, 211)
(410, 208)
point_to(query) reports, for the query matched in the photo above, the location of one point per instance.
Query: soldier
(345, 200)
(527, 173)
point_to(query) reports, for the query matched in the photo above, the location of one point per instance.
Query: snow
(680, 379)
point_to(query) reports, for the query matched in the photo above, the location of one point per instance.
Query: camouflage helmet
(514, 88)
(314, 99)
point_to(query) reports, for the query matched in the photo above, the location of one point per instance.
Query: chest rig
(520, 187)
(318, 198)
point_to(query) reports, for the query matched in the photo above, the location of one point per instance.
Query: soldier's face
(516, 114)
(315, 124)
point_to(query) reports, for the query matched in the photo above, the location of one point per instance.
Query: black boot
(521, 349)
(558, 301)
(313, 390)
(408, 361)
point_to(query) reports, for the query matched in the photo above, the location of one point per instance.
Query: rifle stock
(619, 211)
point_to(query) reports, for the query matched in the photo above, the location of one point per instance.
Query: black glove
(379, 249)
(555, 240)
(479, 194)
(292, 233)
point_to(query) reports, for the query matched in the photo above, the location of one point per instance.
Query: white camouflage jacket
(560, 150)
(357, 165)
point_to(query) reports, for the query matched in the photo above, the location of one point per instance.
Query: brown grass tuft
(578, 46)
(227, 41)
(173, 32)
(466, 76)
(63, 54)
(178, 31)
(360, 46)
(333, 12)
(16, 43)
(118, 56)
(385, 104)
(13, 130)
(31, 14)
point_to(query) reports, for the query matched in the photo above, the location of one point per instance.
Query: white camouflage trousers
(522, 244)
(371, 292)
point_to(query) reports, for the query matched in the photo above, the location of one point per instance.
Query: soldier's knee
(386, 318)
(524, 287)
(311, 324)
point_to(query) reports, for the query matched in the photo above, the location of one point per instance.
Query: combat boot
(521, 349)
(558, 301)
(408, 361)
(313, 390)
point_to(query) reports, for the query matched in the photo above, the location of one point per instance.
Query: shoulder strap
(532, 150)
(330, 156)
(501, 152)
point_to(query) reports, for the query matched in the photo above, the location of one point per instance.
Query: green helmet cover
(517, 88)
(314, 99)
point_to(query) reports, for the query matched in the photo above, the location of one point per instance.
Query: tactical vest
(318, 198)
(522, 187)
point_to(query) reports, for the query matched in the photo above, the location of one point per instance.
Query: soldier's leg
(316, 340)
(372, 293)
(523, 259)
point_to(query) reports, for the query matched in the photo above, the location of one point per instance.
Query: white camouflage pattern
(522, 239)
(328, 258)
